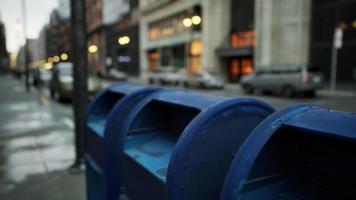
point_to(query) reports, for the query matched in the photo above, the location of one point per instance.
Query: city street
(37, 139)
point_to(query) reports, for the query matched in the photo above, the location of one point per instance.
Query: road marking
(68, 122)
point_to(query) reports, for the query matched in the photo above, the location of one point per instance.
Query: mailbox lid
(158, 125)
(205, 151)
(314, 141)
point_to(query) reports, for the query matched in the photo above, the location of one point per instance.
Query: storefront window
(234, 69)
(240, 67)
(153, 60)
(246, 67)
(243, 39)
(179, 59)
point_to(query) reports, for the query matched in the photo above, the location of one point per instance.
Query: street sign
(338, 35)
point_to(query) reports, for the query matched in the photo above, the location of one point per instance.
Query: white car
(166, 76)
(204, 80)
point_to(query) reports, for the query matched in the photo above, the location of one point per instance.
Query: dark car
(204, 80)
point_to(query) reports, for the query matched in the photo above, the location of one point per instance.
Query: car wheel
(248, 89)
(288, 91)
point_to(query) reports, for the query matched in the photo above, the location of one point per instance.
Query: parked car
(286, 82)
(166, 76)
(114, 74)
(204, 80)
(61, 85)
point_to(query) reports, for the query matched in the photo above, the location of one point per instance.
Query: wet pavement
(36, 146)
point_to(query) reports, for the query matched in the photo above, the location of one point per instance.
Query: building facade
(41, 44)
(182, 34)
(293, 33)
(58, 35)
(282, 33)
(123, 39)
(237, 37)
(4, 56)
(96, 36)
(236, 53)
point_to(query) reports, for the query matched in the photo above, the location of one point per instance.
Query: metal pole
(80, 73)
(27, 73)
(333, 73)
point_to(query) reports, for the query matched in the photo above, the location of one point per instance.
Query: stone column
(282, 32)
(215, 29)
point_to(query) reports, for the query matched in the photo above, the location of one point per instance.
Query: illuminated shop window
(153, 60)
(246, 67)
(239, 67)
(243, 39)
(196, 47)
(234, 68)
(195, 62)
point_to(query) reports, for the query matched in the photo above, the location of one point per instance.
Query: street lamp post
(337, 44)
(80, 74)
(27, 73)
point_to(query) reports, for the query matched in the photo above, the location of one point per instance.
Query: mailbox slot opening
(297, 164)
(154, 133)
(99, 113)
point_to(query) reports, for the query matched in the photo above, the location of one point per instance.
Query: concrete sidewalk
(36, 146)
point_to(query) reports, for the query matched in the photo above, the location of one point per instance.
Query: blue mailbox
(178, 145)
(301, 152)
(104, 105)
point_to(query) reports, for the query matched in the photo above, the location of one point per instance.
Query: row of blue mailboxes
(145, 143)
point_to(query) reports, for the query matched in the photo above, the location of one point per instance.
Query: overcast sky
(37, 15)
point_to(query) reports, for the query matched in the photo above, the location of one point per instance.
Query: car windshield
(45, 73)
